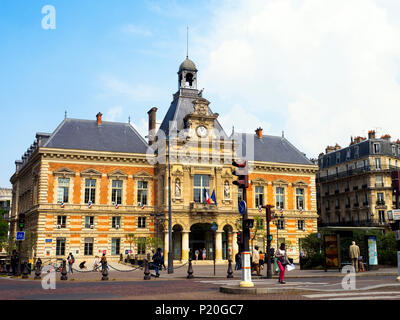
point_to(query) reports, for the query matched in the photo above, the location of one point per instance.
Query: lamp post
(170, 253)
(268, 214)
(276, 222)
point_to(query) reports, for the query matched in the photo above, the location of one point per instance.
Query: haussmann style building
(89, 183)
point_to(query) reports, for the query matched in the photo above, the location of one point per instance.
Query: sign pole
(246, 267)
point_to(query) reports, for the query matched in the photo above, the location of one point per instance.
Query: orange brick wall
(105, 169)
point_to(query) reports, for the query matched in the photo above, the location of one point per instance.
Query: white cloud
(136, 30)
(322, 70)
(114, 114)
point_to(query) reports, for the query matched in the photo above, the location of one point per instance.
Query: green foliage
(3, 229)
(29, 244)
(311, 245)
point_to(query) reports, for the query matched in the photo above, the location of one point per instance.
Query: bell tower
(187, 75)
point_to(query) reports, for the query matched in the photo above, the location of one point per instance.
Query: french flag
(213, 198)
(206, 197)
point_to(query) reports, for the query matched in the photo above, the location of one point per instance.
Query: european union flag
(213, 198)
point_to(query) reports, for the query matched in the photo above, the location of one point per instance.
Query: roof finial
(187, 42)
(65, 114)
(129, 119)
(283, 134)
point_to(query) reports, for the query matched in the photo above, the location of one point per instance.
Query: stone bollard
(146, 270)
(64, 271)
(38, 271)
(190, 270)
(104, 272)
(230, 271)
(25, 272)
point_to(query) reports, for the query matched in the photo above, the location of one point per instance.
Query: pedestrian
(14, 262)
(354, 255)
(71, 261)
(96, 263)
(255, 260)
(238, 261)
(103, 261)
(283, 261)
(162, 263)
(157, 261)
(204, 254)
(82, 265)
(361, 264)
(196, 253)
(262, 259)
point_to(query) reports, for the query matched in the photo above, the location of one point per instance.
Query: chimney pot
(371, 134)
(259, 132)
(99, 120)
(152, 124)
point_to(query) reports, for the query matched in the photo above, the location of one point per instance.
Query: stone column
(166, 248)
(185, 246)
(218, 246)
(235, 247)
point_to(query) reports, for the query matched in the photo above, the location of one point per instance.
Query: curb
(258, 290)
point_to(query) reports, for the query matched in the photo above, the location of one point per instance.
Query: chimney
(152, 124)
(337, 147)
(259, 132)
(371, 134)
(99, 120)
(329, 149)
(386, 137)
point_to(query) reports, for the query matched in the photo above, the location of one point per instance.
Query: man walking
(255, 260)
(71, 261)
(354, 255)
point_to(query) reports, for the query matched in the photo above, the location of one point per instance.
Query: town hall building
(93, 186)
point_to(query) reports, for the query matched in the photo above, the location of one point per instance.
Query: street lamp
(170, 253)
(276, 222)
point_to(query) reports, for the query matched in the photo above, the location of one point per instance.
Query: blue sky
(319, 70)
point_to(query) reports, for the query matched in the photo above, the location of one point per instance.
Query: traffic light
(21, 221)
(270, 238)
(239, 239)
(242, 173)
(248, 223)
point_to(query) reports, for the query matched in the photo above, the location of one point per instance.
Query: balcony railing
(357, 171)
(361, 223)
(355, 188)
(380, 202)
(356, 205)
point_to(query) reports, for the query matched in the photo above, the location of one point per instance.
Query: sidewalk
(127, 273)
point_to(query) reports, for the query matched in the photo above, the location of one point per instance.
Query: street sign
(242, 207)
(20, 236)
(214, 226)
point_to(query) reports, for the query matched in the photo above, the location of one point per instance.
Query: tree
(259, 229)
(3, 229)
(28, 246)
(130, 238)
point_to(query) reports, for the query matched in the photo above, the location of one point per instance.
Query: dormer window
(377, 148)
(338, 157)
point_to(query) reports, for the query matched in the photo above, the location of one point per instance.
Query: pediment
(300, 183)
(143, 175)
(91, 173)
(260, 181)
(64, 172)
(118, 174)
(280, 182)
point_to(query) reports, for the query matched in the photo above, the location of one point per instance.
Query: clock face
(201, 131)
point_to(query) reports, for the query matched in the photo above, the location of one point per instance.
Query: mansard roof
(80, 134)
(272, 149)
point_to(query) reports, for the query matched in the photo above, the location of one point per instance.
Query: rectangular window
(377, 148)
(281, 224)
(356, 151)
(141, 245)
(116, 222)
(88, 247)
(142, 222)
(365, 164)
(200, 182)
(259, 194)
(378, 163)
(90, 191)
(381, 199)
(63, 190)
(142, 192)
(240, 195)
(61, 221)
(382, 216)
(89, 222)
(393, 150)
(116, 192)
(280, 197)
(300, 225)
(379, 181)
(60, 246)
(115, 246)
(300, 198)
(348, 154)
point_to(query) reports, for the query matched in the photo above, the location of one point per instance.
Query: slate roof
(181, 106)
(272, 149)
(87, 135)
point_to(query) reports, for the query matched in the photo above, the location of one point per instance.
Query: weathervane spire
(187, 42)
